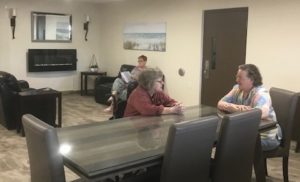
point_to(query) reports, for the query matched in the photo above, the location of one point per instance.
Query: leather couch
(103, 85)
(9, 88)
(42, 107)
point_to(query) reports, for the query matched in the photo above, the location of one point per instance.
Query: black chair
(187, 154)
(103, 85)
(236, 147)
(296, 128)
(46, 163)
(284, 103)
(120, 105)
(9, 89)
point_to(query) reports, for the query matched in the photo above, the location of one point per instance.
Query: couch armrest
(23, 84)
(104, 79)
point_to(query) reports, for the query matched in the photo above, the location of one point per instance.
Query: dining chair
(284, 103)
(296, 127)
(187, 153)
(236, 147)
(119, 106)
(46, 163)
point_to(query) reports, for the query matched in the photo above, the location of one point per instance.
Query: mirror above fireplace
(51, 27)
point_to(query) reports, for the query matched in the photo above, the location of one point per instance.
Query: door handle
(206, 69)
(213, 53)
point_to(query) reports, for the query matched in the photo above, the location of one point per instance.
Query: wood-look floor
(14, 166)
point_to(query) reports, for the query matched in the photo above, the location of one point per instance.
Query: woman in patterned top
(249, 93)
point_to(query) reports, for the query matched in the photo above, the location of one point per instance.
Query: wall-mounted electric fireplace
(40, 60)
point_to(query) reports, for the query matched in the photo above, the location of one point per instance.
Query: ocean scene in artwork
(151, 37)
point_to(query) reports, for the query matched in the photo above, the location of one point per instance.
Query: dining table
(106, 149)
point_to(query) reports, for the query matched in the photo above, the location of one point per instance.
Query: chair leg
(266, 167)
(297, 146)
(259, 162)
(285, 165)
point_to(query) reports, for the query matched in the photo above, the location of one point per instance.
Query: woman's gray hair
(148, 77)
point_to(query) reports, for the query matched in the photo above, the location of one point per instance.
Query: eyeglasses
(241, 78)
(160, 81)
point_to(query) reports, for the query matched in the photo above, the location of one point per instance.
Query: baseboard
(90, 92)
(70, 92)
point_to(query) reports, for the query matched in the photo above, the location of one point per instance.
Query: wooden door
(224, 48)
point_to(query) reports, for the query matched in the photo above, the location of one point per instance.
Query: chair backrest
(131, 86)
(10, 81)
(236, 146)
(9, 89)
(284, 103)
(46, 163)
(188, 150)
(125, 67)
(119, 107)
(296, 127)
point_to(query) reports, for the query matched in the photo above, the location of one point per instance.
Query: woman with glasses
(148, 99)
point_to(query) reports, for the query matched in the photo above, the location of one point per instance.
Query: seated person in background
(249, 93)
(148, 99)
(119, 87)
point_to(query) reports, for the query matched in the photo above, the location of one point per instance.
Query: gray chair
(46, 163)
(187, 154)
(284, 103)
(236, 147)
(296, 128)
(188, 151)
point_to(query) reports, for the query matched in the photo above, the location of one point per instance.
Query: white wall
(183, 41)
(272, 43)
(273, 34)
(13, 52)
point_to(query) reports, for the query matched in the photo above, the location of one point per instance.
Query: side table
(83, 76)
(43, 104)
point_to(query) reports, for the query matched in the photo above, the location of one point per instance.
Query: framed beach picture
(145, 36)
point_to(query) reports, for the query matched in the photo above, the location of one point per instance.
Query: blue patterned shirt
(258, 97)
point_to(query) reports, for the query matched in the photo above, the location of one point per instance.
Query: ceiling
(95, 1)
(90, 1)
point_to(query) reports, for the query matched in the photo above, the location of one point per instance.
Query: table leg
(259, 166)
(297, 146)
(59, 110)
(85, 84)
(19, 124)
(81, 86)
(20, 127)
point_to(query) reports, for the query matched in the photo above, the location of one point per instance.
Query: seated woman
(148, 99)
(249, 93)
(119, 87)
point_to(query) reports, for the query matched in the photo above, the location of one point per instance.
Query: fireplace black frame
(41, 60)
